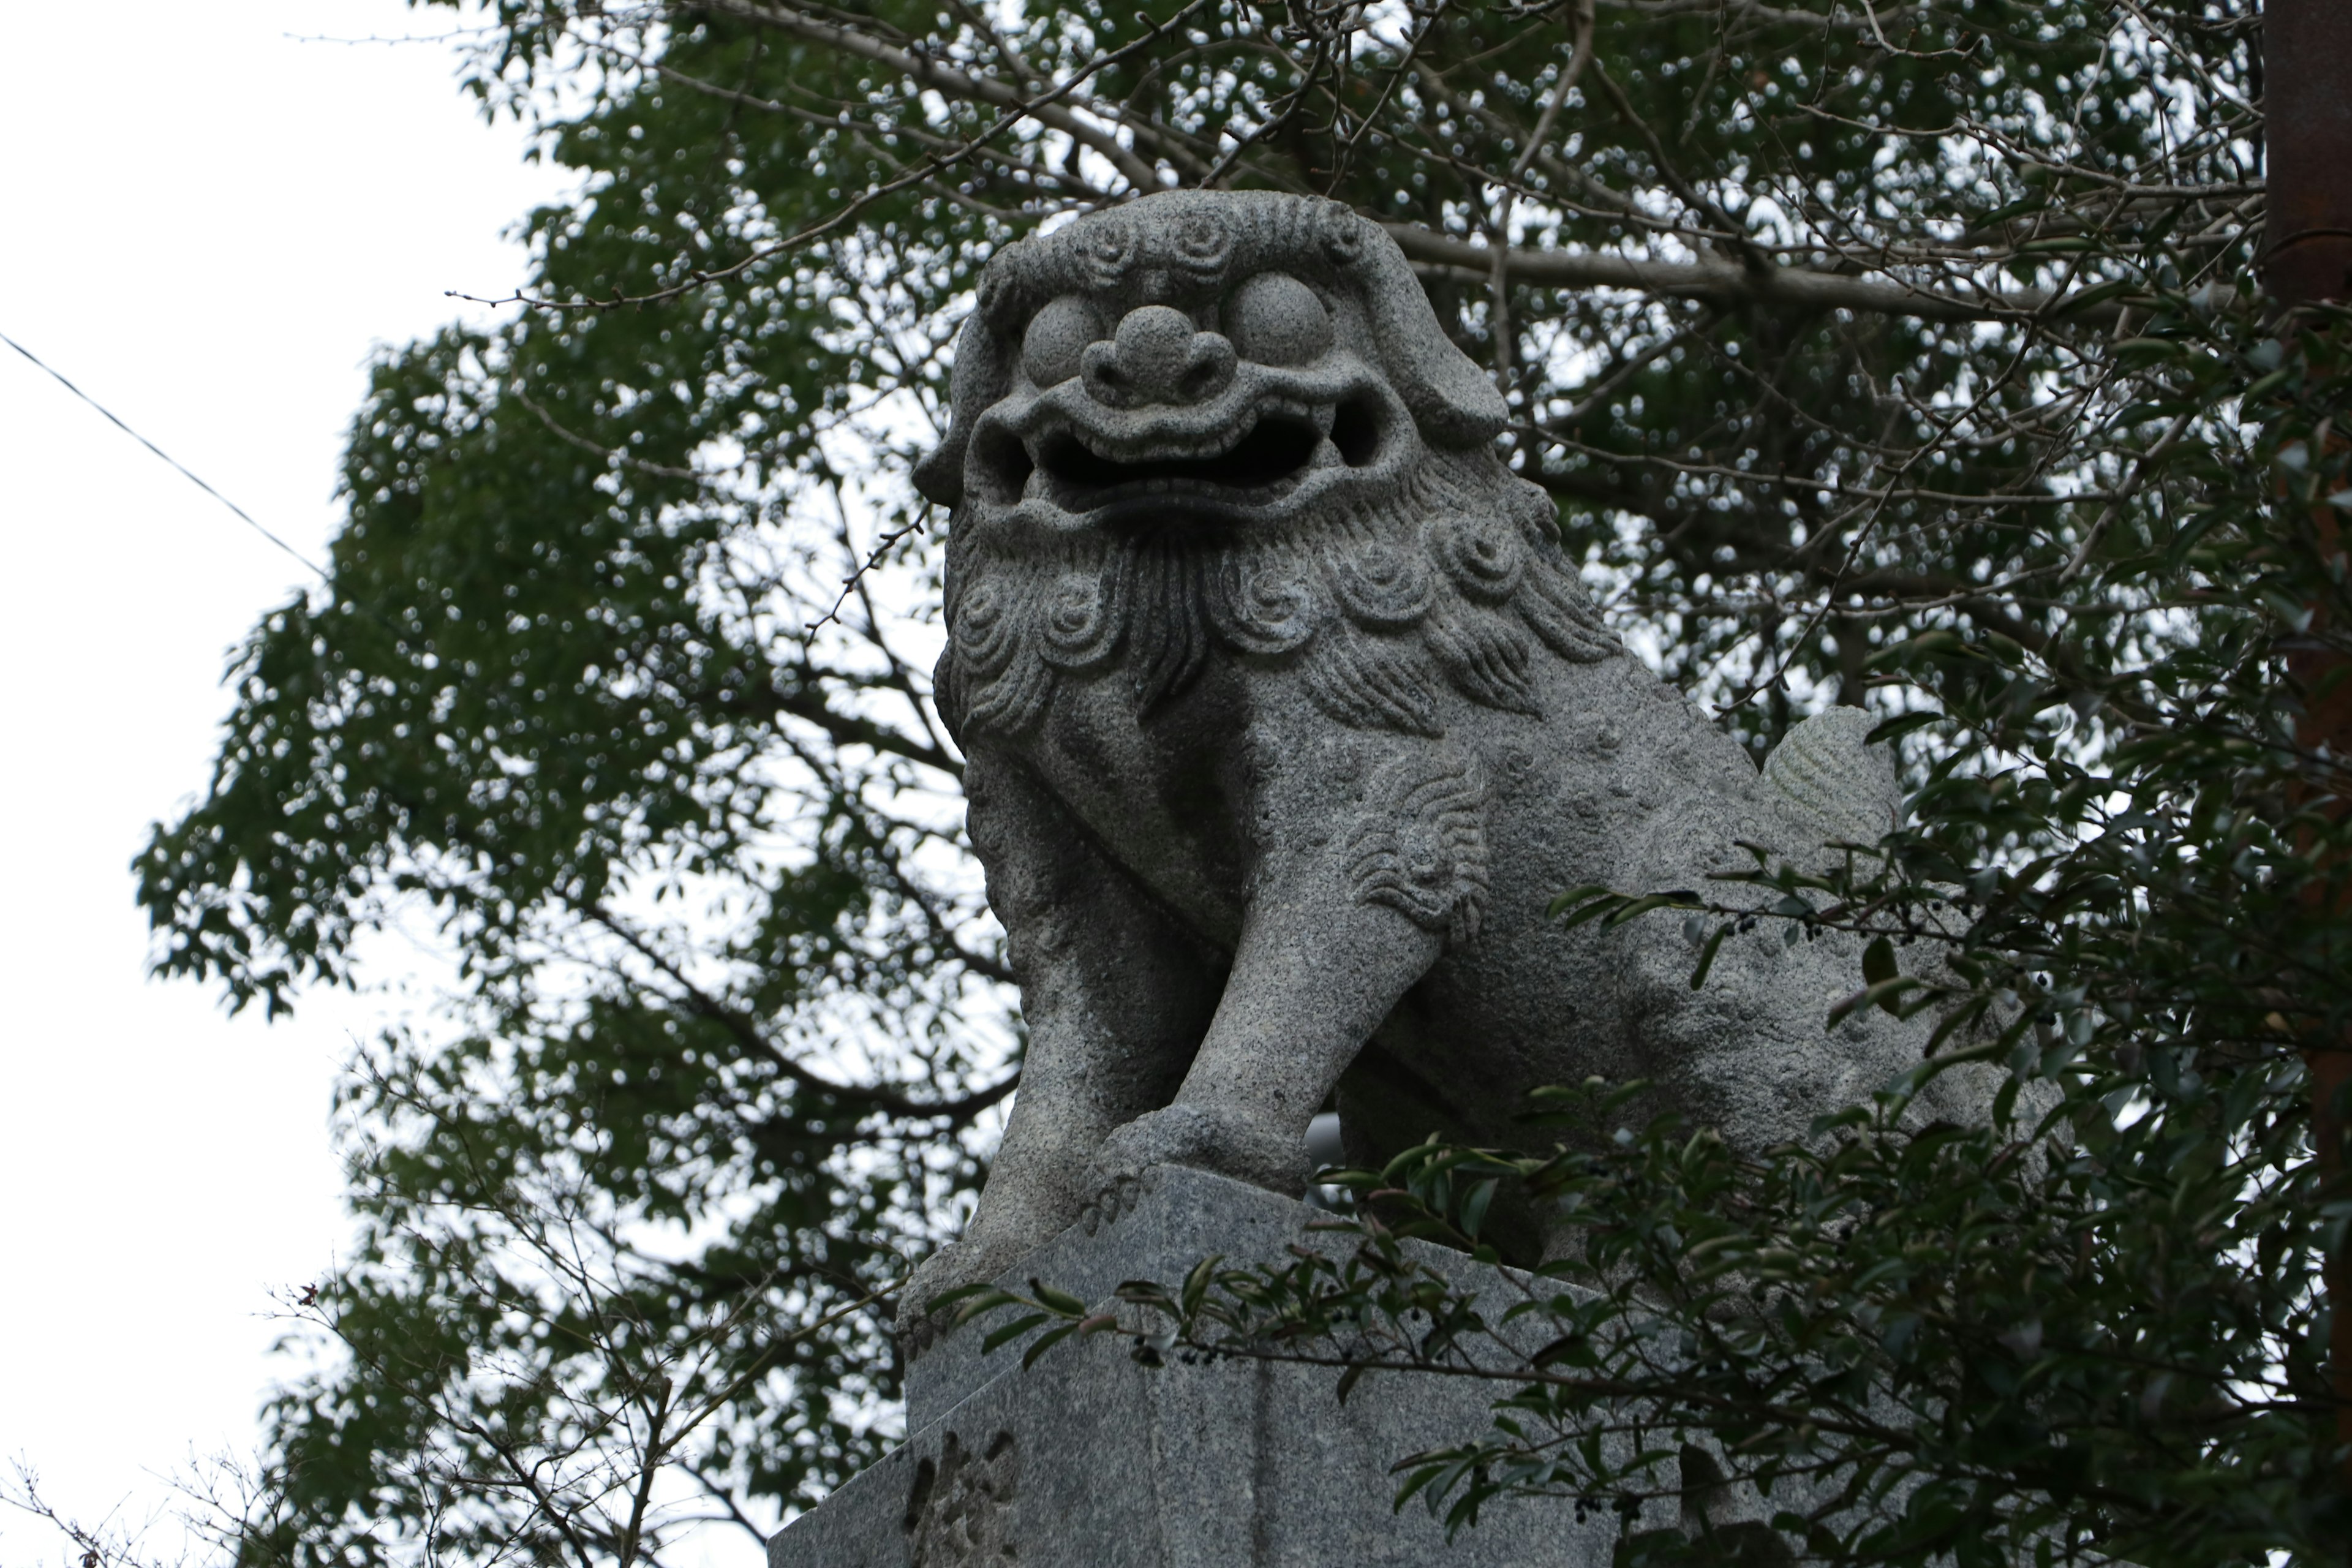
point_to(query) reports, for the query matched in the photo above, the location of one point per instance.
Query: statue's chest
(1162, 794)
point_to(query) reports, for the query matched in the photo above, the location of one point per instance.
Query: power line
(167, 457)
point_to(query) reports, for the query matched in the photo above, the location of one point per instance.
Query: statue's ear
(981, 376)
(939, 477)
(1450, 397)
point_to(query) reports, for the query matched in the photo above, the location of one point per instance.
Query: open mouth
(1276, 450)
(1277, 447)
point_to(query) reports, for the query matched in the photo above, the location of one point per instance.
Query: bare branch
(1724, 283)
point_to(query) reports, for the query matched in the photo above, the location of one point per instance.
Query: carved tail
(1835, 785)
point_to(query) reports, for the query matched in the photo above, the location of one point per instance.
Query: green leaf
(1196, 1284)
(2145, 350)
(1706, 954)
(1060, 1302)
(1013, 1331)
(971, 1300)
(1901, 725)
(1574, 1349)
(1044, 1342)
(2191, 528)
(1635, 908)
(1581, 904)
(2263, 385)
(1475, 1205)
(2097, 294)
(2032, 203)
(1885, 995)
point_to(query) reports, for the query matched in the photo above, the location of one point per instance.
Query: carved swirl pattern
(1481, 553)
(1420, 848)
(983, 628)
(1203, 245)
(1003, 684)
(1012, 702)
(1454, 584)
(959, 1513)
(1105, 250)
(1564, 617)
(1262, 604)
(1081, 618)
(1341, 234)
(1382, 586)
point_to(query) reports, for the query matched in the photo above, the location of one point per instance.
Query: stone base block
(1091, 1460)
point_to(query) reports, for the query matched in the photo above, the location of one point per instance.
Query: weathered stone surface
(1176, 1218)
(1286, 718)
(1089, 1460)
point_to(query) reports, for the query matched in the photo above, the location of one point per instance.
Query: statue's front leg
(1313, 979)
(1115, 993)
(1353, 901)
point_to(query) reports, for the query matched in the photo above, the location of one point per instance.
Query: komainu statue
(1286, 718)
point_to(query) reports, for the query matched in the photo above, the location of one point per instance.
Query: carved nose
(1157, 357)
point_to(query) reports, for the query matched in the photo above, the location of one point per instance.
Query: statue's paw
(1203, 1140)
(920, 1323)
(918, 1326)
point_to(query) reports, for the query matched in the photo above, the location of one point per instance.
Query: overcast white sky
(206, 224)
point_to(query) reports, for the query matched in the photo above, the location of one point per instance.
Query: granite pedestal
(1091, 1460)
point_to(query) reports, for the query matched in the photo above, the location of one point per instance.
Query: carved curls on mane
(1378, 609)
(1448, 574)
(1195, 238)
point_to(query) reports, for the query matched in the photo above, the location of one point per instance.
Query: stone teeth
(1220, 443)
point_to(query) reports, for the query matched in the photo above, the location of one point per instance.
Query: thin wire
(167, 457)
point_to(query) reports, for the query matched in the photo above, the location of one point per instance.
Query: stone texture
(1286, 718)
(1177, 1217)
(1090, 1460)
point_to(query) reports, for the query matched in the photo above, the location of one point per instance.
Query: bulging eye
(1057, 335)
(1273, 318)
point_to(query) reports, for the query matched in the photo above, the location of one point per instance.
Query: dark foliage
(1909, 356)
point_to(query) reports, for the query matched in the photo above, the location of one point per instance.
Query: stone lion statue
(1286, 718)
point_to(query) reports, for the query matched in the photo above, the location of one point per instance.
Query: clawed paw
(918, 1327)
(1113, 1196)
(919, 1323)
(1188, 1135)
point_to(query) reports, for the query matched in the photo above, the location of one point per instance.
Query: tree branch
(947, 79)
(747, 1033)
(1726, 283)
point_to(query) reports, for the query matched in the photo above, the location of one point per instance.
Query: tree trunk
(2308, 111)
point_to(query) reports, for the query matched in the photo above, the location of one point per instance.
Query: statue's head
(1223, 425)
(1232, 358)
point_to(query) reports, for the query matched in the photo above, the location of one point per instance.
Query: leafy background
(1910, 358)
